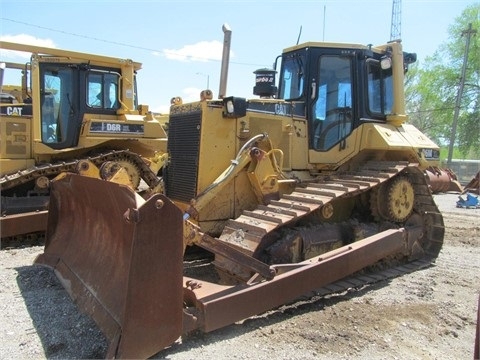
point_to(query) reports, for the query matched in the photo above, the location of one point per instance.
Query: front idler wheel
(394, 200)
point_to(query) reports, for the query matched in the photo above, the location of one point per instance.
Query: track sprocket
(108, 168)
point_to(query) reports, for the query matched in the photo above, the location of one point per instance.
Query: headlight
(234, 107)
(431, 154)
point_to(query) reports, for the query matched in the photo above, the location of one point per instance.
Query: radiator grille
(183, 149)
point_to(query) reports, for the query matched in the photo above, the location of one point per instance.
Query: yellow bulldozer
(313, 180)
(70, 112)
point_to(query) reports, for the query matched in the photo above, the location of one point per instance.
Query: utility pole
(469, 32)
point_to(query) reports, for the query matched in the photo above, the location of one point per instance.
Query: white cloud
(202, 51)
(23, 39)
(189, 94)
(162, 109)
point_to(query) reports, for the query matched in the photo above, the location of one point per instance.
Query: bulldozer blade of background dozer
(120, 259)
(442, 180)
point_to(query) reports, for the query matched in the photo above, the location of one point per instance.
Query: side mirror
(409, 58)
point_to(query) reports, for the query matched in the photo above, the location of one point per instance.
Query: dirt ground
(428, 314)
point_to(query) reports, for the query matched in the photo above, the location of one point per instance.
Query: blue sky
(180, 42)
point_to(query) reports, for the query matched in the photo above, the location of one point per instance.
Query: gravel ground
(428, 314)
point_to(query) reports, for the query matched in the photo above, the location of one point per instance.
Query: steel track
(253, 226)
(52, 169)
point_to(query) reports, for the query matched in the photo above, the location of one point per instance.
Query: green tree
(432, 88)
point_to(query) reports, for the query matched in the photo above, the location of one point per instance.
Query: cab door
(59, 101)
(332, 109)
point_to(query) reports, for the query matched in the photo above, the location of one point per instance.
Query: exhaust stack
(2, 71)
(225, 60)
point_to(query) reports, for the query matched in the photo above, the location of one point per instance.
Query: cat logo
(14, 111)
(280, 109)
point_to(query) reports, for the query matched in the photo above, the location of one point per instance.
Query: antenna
(299, 34)
(324, 16)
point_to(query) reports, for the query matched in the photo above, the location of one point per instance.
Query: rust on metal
(26, 223)
(108, 263)
(474, 185)
(222, 306)
(227, 250)
(442, 180)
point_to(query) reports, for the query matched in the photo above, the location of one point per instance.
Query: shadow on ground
(65, 333)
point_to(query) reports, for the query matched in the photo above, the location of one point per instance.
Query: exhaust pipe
(2, 71)
(227, 37)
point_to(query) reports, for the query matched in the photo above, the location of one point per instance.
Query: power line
(124, 44)
(78, 35)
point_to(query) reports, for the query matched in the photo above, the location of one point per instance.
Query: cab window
(102, 90)
(380, 89)
(292, 77)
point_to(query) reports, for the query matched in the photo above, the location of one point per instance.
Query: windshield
(332, 108)
(292, 77)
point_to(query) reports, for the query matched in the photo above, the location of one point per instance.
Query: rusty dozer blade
(442, 180)
(120, 258)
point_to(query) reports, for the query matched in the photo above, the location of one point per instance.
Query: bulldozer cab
(15, 100)
(327, 78)
(67, 92)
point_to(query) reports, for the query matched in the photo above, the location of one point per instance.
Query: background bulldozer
(71, 112)
(316, 179)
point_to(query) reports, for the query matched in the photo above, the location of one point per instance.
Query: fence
(464, 169)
